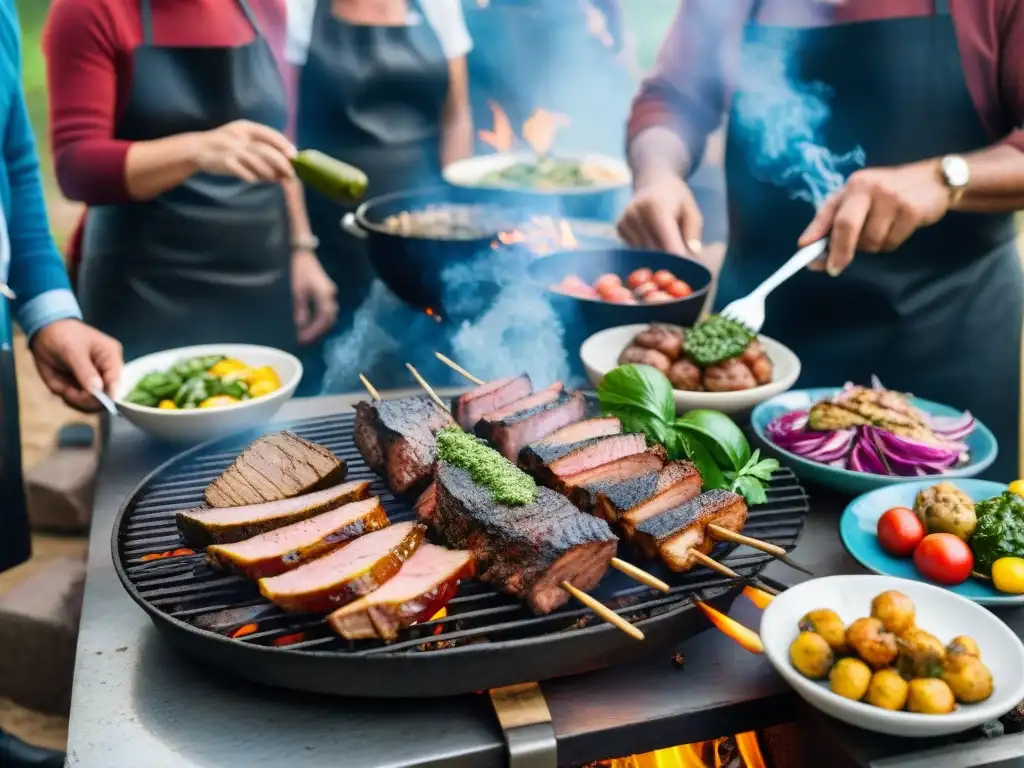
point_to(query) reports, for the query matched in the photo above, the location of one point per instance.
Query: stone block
(60, 491)
(38, 633)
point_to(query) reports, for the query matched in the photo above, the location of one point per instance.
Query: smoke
(784, 119)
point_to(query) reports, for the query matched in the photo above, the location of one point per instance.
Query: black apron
(207, 261)
(372, 97)
(941, 316)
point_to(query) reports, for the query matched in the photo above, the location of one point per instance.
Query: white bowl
(939, 611)
(195, 426)
(600, 354)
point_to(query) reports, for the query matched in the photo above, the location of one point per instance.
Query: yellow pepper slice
(217, 401)
(167, 405)
(1008, 575)
(225, 367)
(262, 387)
(1017, 487)
(264, 373)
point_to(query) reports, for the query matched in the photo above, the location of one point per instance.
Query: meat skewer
(620, 565)
(717, 531)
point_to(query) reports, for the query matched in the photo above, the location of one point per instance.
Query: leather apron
(208, 261)
(370, 96)
(941, 316)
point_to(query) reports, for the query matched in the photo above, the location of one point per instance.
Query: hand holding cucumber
(336, 180)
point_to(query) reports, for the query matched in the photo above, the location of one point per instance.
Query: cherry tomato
(663, 278)
(944, 558)
(657, 297)
(679, 289)
(573, 282)
(899, 531)
(638, 277)
(606, 283)
(619, 295)
(644, 289)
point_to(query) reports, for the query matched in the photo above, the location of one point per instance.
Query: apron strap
(755, 11)
(251, 17)
(146, 14)
(942, 7)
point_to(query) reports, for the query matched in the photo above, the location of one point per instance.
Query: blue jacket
(30, 264)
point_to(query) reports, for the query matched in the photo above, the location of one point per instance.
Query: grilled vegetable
(872, 643)
(717, 339)
(921, 654)
(1000, 530)
(330, 177)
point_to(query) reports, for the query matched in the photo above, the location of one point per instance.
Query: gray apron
(941, 316)
(207, 261)
(372, 97)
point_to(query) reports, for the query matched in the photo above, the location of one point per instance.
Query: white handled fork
(750, 309)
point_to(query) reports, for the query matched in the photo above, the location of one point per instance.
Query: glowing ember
(431, 313)
(746, 638)
(758, 597)
(538, 131)
(298, 637)
(740, 751)
(245, 629)
(181, 552)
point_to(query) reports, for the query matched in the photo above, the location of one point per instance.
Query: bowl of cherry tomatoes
(596, 289)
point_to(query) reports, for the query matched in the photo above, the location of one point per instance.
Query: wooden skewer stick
(426, 387)
(458, 368)
(726, 571)
(369, 387)
(725, 534)
(603, 611)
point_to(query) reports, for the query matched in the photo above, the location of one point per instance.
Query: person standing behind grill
(381, 85)
(167, 120)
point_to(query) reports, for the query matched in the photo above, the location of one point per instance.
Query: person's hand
(315, 297)
(663, 215)
(73, 359)
(877, 210)
(250, 151)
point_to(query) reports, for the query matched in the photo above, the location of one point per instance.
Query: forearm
(997, 181)
(456, 117)
(298, 217)
(154, 167)
(656, 151)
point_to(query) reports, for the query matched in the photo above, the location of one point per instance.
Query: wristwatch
(306, 244)
(956, 174)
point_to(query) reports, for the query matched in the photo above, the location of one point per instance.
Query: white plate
(939, 611)
(196, 426)
(600, 354)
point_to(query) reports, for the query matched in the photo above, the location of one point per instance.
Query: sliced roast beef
(275, 467)
(426, 503)
(548, 461)
(485, 427)
(636, 464)
(673, 534)
(396, 438)
(347, 573)
(513, 433)
(525, 551)
(423, 586)
(585, 430)
(469, 408)
(285, 549)
(204, 526)
(677, 483)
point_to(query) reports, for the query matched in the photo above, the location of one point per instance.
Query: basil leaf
(763, 470)
(750, 488)
(637, 387)
(723, 437)
(702, 458)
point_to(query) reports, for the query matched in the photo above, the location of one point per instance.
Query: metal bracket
(526, 722)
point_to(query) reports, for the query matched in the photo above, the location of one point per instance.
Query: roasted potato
(930, 696)
(850, 678)
(643, 356)
(968, 678)
(944, 508)
(666, 340)
(826, 623)
(811, 655)
(895, 610)
(887, 690)
(869, 640)
(963, 645)
(921, 654)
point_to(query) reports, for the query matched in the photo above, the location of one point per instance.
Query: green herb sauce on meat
(507, 483)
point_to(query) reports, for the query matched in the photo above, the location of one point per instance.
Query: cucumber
(330, 177)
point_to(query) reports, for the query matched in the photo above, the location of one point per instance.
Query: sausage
(686, 375)
(663, 339)
(762, 369)
(641, 356)
(729, 376)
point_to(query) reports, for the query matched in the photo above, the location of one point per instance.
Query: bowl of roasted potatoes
(894, 656)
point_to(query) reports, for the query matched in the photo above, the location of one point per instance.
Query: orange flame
(432, 313)
(180, 552)
(245, 629)
(540, 128)
(750, 749)
(502, 137)
(758, 597)
(747, 639)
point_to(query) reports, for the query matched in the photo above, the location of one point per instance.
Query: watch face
(956, 171)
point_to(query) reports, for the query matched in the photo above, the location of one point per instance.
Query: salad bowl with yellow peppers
(192, 394)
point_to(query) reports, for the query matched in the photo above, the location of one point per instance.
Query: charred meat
(350, 572)
(856, 406)
(204, 526)
(425, 504)
(634, 465)
(525, 551)
(275, 467)
(631, 502)
(584, 430)
(423, 586)
(513, 433)
(469, 408)
(553, 460)
(673, 534)
(396, 438)
(485, 426)
(285, 549)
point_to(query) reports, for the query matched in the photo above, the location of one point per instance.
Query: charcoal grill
(487, 640)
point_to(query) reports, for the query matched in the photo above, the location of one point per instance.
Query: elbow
(93, 175)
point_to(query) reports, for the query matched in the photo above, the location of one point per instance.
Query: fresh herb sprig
(641, 397)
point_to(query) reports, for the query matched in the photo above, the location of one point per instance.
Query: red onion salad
(873, 449)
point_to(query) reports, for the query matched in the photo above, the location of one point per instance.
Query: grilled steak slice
(423, 586)
(553, 460)
(677, 483)
(674, 533)
(426, 504)
(525, 551)
(204, 526)
(285, 549)
(611, 499)
(513, 433)
(634, 465)
(585, 430)
(275, 467)
(347, 573)
(469, 408)
(396, 438)
(485, 427)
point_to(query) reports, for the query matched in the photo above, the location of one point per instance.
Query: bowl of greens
(192, 394)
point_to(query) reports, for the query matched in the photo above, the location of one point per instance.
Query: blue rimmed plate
(981, 445)
(859, 523)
